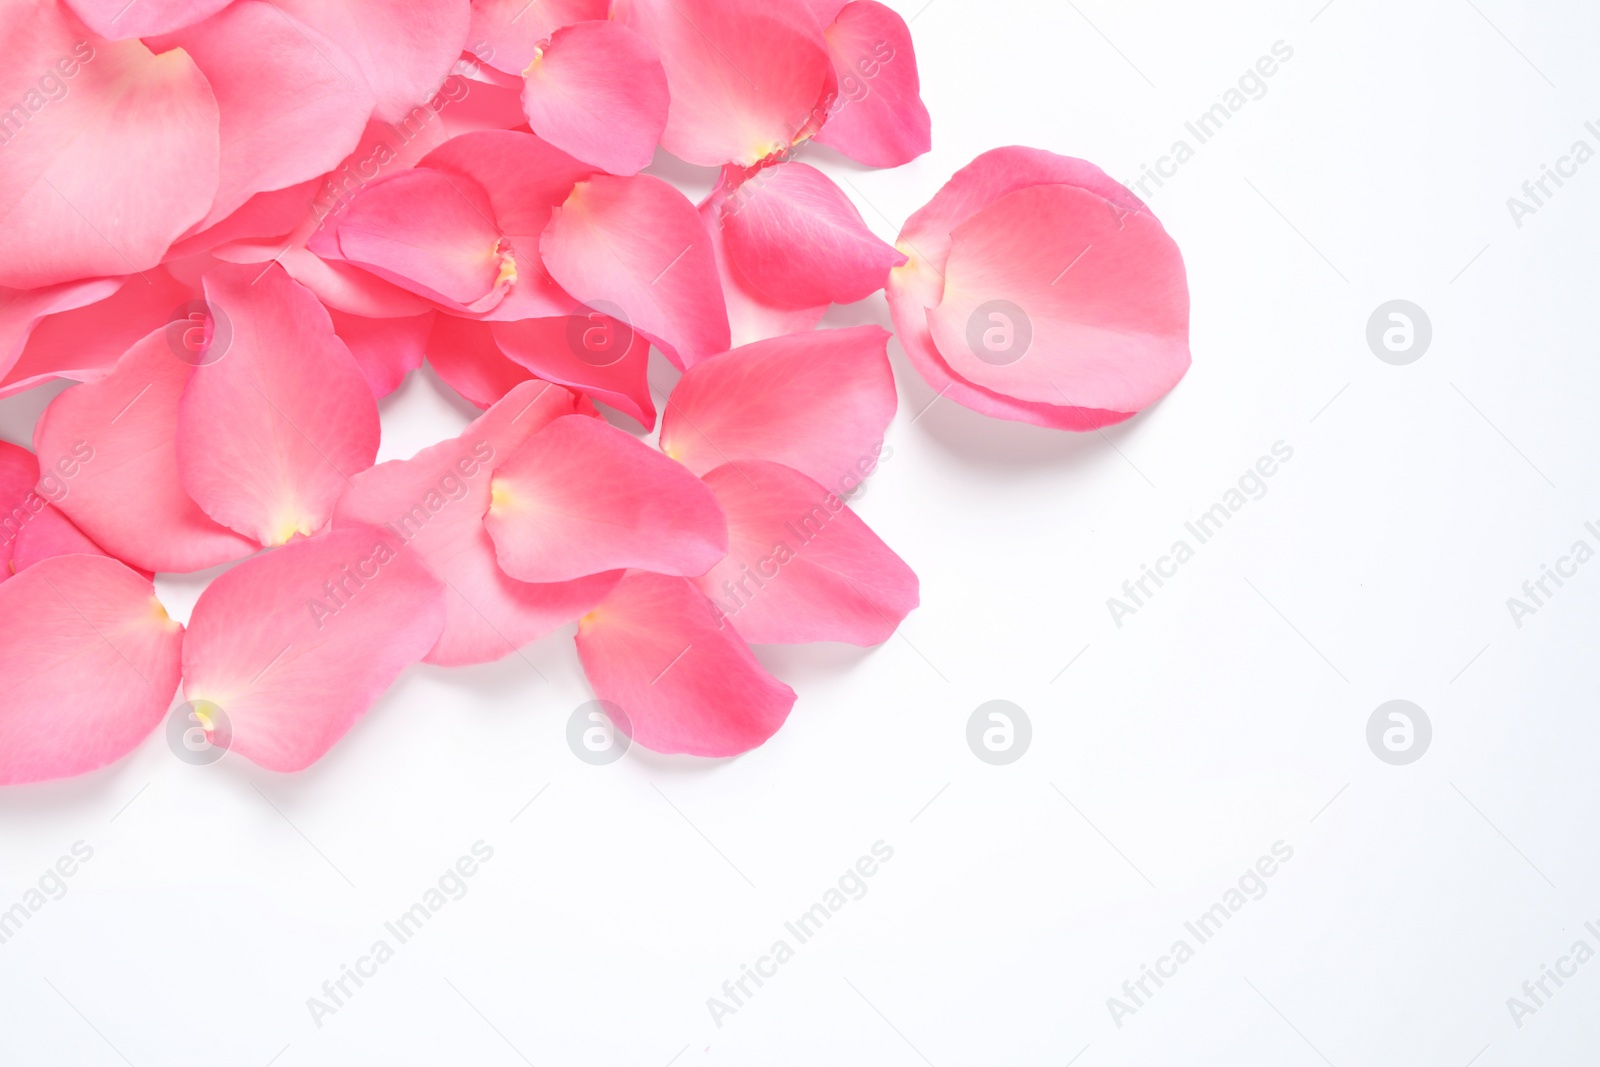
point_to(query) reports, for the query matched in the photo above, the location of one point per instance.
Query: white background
(1226, 715)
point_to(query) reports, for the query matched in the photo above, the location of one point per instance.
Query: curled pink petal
(581, 497)
(510, 31)
(386, 350)
(124, 491)
(656, 649)
(598, 92)
(434, 504)
(296, 644)
(798, 239)
(744, 78)
(19, 504)
(349, 288)
(277, 416)
(89, 674)
(818, 402)
(801, 566)
(113, 170)
(637, 244)
(752, 315)
(1052, 295)
(287, 113)
(404, 57)
(592, 353)
(878, 117)
(465, 355)
(21, 311)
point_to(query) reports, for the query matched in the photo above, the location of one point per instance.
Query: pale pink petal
(636, 244)
(287, 113)
(116, 163)
(878, 117)
(85, 343)
(465, 355)
(598, 92)
(88, 674)
(434, 505)
(386, 350)
(818, 402)
(403, 55)
(118, 20)
(801, 566)
(126, 494)
(592, 353)
(19, 504)
(271, 428)
(432, 233)
(752, 315)
(582, 497)
(745, 79)
(656, 649)
(21, 310)
(1053, 295)
(798, 239)
(296, 644)
(510, 31)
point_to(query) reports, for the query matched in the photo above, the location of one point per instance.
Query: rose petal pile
(238, 224)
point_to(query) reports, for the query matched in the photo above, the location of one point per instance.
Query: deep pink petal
(125, 493)
(598, 92)
(801, 566)
(403, 55)
(90, 672)
(818, 402)
(19, 504)
(350, 288)
(85, 343)
(512, 30)
(21, 311)
(120, 163)
(271, 428)
(296, 644)
(878, 117)
(656, 649)
(752, 315)
(434, 504)
(432, 233)
(465, 355)
(582, 497)
(592, 353)
(386, 350)
(49, 534)
(270, 216)
(637, 245)
(798, 239)
(744, 78)
(287, 113)
(1101, 291)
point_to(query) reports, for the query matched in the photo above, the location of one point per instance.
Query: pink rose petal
(598, 92)
(878, 118)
